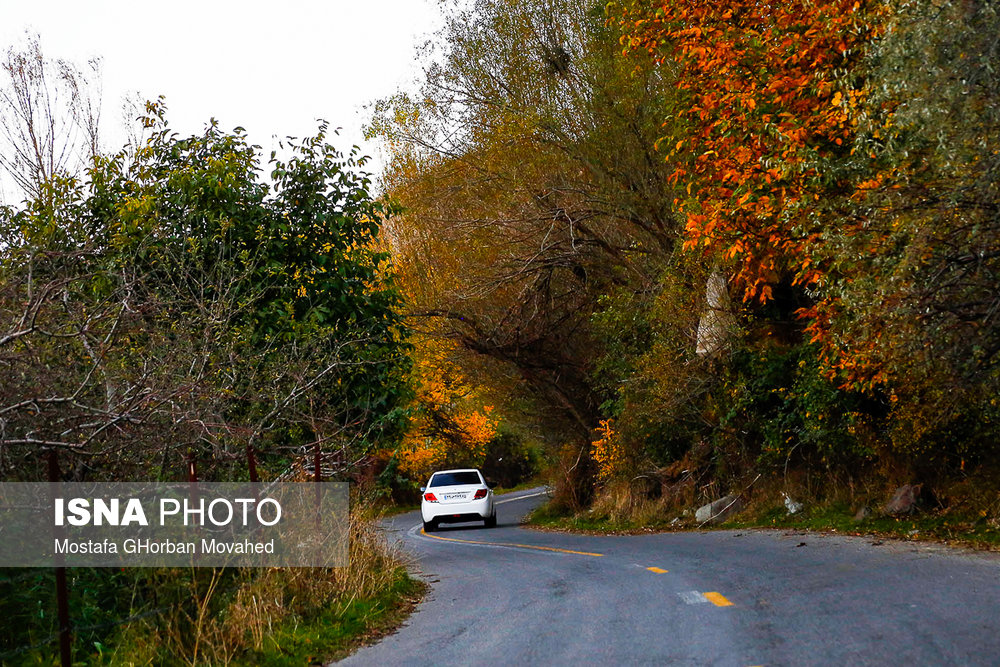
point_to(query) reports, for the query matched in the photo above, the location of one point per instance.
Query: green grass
(948, 527)
(391, 509)
(544, 517)
(340, 629)
(837, 517)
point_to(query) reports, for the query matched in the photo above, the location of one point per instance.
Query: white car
(453, 496)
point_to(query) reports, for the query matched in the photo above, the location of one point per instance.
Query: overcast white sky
(272, 67)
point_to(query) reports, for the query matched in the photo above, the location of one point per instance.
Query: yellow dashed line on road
(513, 544)
(718, 599)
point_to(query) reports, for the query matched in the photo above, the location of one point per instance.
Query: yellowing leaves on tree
(450, 424)
(608, 451)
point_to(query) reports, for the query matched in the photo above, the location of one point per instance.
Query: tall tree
(911, 300)
(50, 117)
(178, 302)
(769, 99)
(529, 183)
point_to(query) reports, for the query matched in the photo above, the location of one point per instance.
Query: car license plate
(455, 496)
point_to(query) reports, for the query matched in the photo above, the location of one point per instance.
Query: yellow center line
(718, 599)
(512, 544)
(657, 570)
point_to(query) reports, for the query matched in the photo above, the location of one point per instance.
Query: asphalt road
(515, 596)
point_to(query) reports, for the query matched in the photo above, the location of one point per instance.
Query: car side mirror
(422, 489)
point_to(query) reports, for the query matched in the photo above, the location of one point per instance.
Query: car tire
(491, 521)
(430, 526)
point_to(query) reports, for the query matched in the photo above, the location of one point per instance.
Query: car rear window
(455, 478)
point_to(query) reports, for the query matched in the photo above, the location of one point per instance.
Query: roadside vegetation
(962, 524)
(170, 313)
(212, 616)
(666, 251)
(698, 249)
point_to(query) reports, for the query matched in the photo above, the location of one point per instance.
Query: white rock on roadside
(792, 506)
(719, 510)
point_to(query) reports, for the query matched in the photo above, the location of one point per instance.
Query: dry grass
(228, 613)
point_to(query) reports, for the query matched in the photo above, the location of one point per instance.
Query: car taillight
(429, 497)
(481, 493)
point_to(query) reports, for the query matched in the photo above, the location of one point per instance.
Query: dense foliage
(172, 302)
(686, 244)
(719, 238)
(175, 302)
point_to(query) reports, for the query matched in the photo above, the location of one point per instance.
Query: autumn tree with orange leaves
(848, 149)
(529, 186)
(450, 423)
(909, 305)
(835, 161)
(770, 104)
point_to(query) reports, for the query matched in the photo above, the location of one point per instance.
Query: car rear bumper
(472, 510)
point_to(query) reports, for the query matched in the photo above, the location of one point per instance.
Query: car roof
(456, 470)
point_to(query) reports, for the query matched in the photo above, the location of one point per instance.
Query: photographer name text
(144, 546)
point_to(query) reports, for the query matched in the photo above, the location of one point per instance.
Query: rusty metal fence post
(62, 588)
(252, 464)
(192, 475)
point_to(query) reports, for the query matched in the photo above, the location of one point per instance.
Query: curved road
(510, 595)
